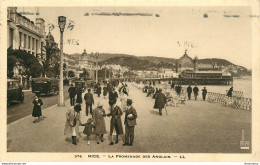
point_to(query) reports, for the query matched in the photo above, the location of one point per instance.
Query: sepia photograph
(129, 80)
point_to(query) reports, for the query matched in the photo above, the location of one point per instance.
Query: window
(24, 44)
(20, 40)
(29, 42)
(36, 48)
(32, 43)
(11, 38)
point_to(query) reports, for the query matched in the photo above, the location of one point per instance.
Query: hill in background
(153, 63)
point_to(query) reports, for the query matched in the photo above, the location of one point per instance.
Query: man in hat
(130, 122)
(204, 93)
(160, 101)
(189, 91)
(89, 100)
(72, 93)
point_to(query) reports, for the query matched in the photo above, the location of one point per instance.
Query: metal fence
(236, 101)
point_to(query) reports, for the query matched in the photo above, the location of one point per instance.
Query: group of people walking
(96, 123)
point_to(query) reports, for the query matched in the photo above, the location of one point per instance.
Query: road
(197, 127)
(19, 110)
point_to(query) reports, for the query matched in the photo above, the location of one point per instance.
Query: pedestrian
(72, 93)
(204, 93)
(99, 122)
(130, 122)
(89, 100)
(172, 85)
(72, 123)
(196, 92)
(160, 101)
(115, 123)
(189, 91)
(230, 92)
(37, 111)
(88, 130)
(98, 90)
(79, 96)
(113, 97)
(104, 91)
(123, 100)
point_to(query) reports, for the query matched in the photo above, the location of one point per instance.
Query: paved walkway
(197, 127)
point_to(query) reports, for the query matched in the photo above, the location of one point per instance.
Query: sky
(219, 35)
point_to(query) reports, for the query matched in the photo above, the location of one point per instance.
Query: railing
(234, 101)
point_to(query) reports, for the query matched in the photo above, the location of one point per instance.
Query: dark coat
(113, 97)
(204, 91)
(89, 98)
(229, 94)
(116, 114)
(104, 91)
(195, 90)
(98, 90)
(37, 111)
(189, 90)
(72, 91)
(160, 100)
(79, 96)
(130, 121)
(88, 130)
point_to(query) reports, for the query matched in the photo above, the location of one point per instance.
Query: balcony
(24, 23)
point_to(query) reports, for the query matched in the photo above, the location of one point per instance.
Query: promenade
(197, 127)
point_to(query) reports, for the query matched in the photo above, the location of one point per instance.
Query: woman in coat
(79, 96)
(37, 111)
(99, 122)
(72, 123)
(116, 123)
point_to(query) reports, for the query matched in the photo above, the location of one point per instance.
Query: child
(88, 130)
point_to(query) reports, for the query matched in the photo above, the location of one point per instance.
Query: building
(88, 62)
(72, 64)
(23, 33)
(167, 73)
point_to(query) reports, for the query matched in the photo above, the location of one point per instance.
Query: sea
(242, 84)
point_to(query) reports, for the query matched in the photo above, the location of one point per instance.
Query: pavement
(197, 127)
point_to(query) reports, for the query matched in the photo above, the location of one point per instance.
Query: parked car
(14, 91)
(47, 86)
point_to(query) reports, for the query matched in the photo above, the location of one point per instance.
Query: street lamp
(97, 54)
(62, 23)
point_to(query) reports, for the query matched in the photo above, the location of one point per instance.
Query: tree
(71, 74)
(28, 62)
(50, 59)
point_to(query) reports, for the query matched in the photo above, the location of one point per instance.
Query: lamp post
(97, 54)
(62, 23)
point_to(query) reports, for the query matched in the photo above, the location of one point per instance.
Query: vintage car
(47, 86)
(80, 84)
(14, 91)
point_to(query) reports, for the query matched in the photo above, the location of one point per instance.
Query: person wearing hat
(99, 122)
(37, 111)
(115, 123)
(160, 101)
(89, 100)
(130, 122)
(72, 123)
(204, 93)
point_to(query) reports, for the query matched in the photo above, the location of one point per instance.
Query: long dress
(37, 111)
(99, 121)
